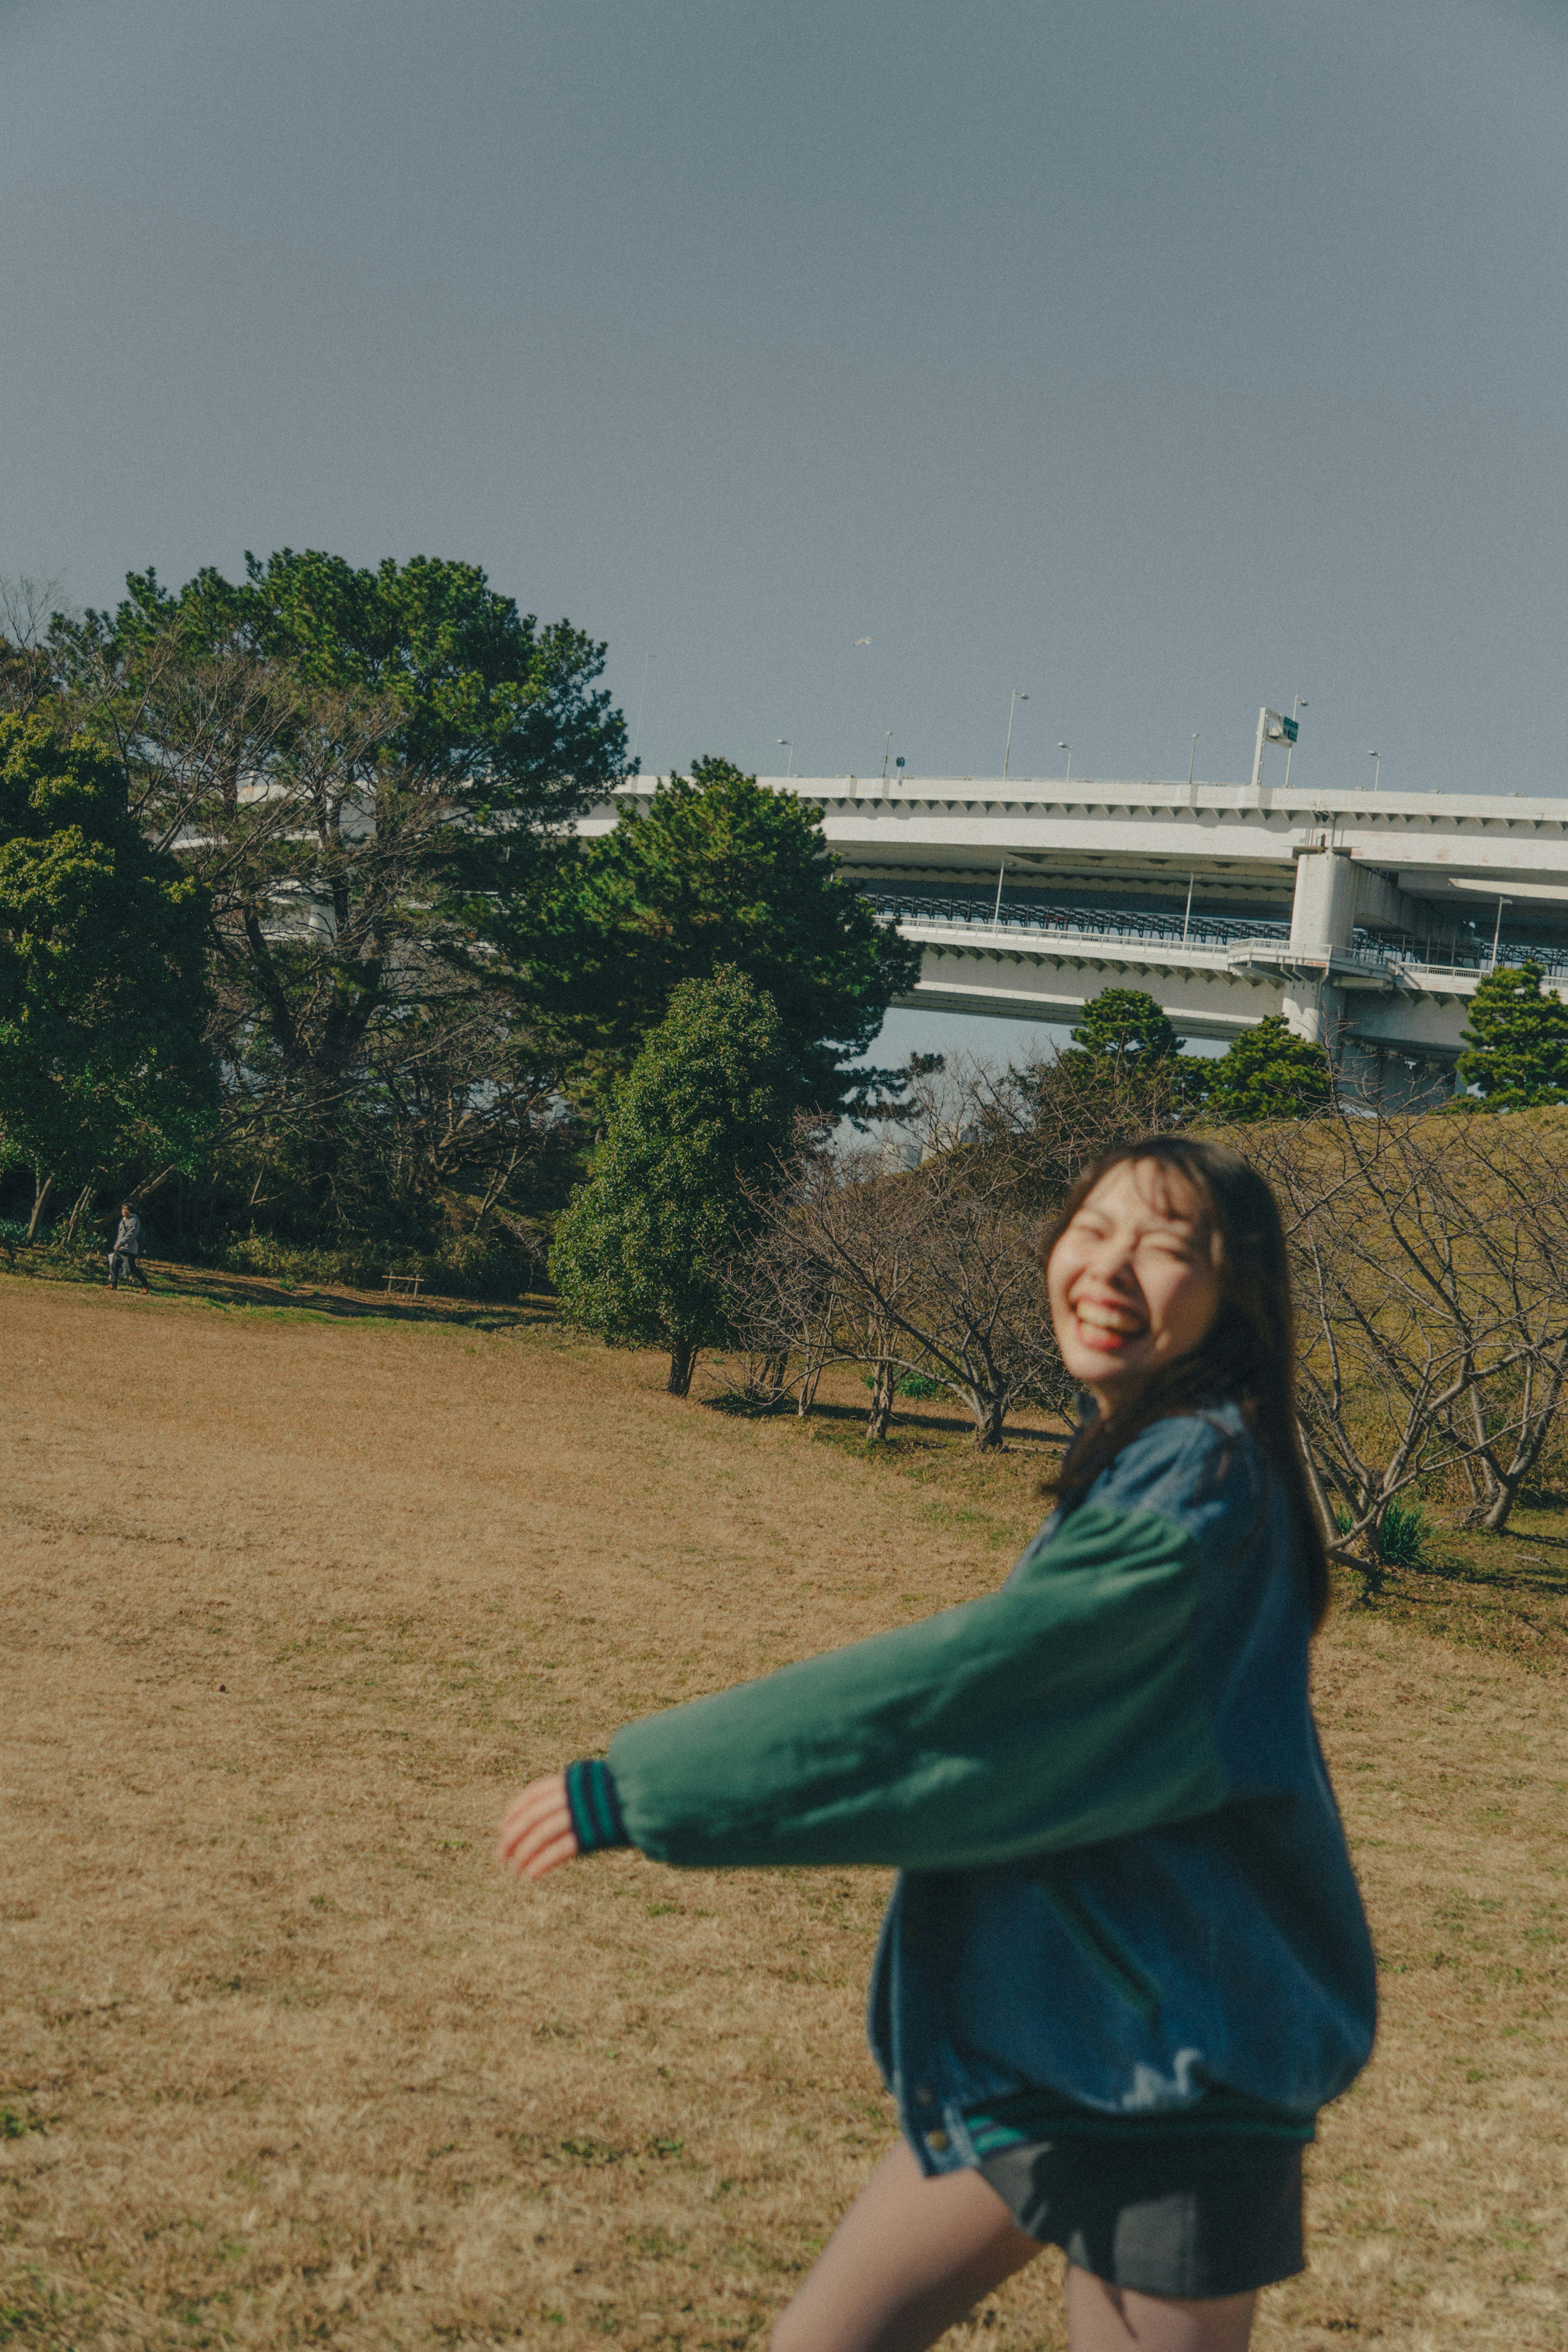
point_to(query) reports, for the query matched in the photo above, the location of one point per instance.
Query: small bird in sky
(865, 641)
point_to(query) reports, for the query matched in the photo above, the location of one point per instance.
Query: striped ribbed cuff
(595, 1807)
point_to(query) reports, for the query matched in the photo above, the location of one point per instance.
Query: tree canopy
(1516, 1040)
(104, 1069)
(483, 697)
(1123, 1036)
(1268, 1072)
(693, 1134)
(361, 765)
(718, 873)
(1126, 1025)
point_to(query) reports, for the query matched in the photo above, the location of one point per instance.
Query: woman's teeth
(1116, 1322)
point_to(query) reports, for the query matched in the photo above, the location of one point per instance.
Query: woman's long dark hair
(1248, 1355)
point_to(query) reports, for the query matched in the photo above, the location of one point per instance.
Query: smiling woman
(1170, 1293)
(1132, 1281)
(1125, 1963)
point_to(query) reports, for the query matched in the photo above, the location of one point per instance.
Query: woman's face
(1132, 1282)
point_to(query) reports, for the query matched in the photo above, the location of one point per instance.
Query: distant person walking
(125, 1257)
(1125, 1963)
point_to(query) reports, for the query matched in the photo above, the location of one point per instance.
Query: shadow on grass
(851, 1417)
(1487, 1591)
(307, 1302)
(1504, 1577)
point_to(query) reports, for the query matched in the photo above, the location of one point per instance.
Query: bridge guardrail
(1132, 927)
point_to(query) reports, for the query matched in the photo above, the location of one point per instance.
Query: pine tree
(1516, 1040)
(717, 870)
(641, 1249)
(1122, 1033)
(1270, 1073)
(1125, 1024)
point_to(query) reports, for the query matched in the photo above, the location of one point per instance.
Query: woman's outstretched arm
(1061, 1711)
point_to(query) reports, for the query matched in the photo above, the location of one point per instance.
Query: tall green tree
(693, 1134)
(105, 1073)
(1516, 1040)
(483, 699)
(717, 873)
(361, 765)
(1122, 1037)
(1268, 1072)
(1127, 1027)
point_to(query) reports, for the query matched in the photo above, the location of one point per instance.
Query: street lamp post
(1191, 762)
(789, 768)
(1068, 749)
(1377, 757)
(885, 742)
(1297, 706)
(1007, 754)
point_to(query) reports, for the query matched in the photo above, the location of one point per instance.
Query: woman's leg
(909, 2258)
(1102, 2318)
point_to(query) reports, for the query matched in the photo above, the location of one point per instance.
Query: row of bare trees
(1429, 1255)
(1430, 1260)
(918, 1258)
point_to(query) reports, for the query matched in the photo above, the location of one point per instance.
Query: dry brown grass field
(293, 1600)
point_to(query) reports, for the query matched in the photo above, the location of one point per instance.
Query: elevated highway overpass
(1366, 917)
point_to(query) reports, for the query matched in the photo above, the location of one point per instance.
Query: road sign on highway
(1279, 730)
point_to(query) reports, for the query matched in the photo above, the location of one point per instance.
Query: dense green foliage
(1268, 1072)
(104, 1070)
(1516, 1041)
(1126, 1025)
(695, 1130)
(504, 711)
(364, 767)
(1124, 1038)
(717, 873)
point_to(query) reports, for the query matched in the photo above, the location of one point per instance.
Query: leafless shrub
(1054, 1115)
(927, 1269)
(1428, 1258)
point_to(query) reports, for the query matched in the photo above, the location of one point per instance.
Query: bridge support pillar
(1323, 919)
(1310, 1009)
(1323, 914)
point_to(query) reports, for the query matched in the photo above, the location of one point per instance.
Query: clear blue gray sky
(1156, 357)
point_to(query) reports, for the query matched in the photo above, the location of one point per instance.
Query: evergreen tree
(1126, 1025)
(362, 766)
(640, 1250)
(1516, 1040)
(104, 1072)
(717, 872)
(1270, 1073)
(1122, 1036)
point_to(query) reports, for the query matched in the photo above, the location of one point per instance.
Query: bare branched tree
(926, 1269)
(1507, 1187)
(1434, 1320)
(28, 606)
(793, 1306)
(1054, 1115)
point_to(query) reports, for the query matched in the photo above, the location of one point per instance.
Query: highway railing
(1082, 923)
(1029, 919)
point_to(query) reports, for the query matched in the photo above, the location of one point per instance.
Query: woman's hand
(537, 1834)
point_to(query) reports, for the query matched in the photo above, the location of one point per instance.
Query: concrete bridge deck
(1364, 918)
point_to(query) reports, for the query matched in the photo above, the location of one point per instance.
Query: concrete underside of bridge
(1383, 909)
(1397, 1043)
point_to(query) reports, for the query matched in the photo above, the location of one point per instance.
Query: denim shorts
(1196, 2215)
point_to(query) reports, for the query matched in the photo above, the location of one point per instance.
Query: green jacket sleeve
(1063, 1710)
